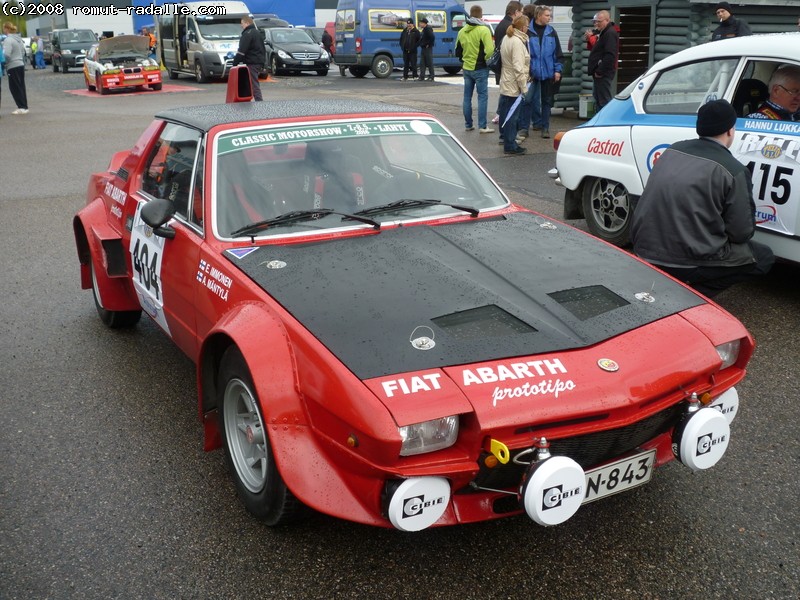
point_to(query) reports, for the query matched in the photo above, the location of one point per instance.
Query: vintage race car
(119, 62)
(605, 163)
(381, 336)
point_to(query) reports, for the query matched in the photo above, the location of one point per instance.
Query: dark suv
(70, 47)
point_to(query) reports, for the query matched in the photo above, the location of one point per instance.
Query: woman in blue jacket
(546, 57)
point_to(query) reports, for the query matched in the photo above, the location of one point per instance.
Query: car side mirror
(156, 214)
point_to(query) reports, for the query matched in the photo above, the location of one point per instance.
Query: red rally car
(382, 336)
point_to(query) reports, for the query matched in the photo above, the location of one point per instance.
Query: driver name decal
(214, 280)
(540, 370)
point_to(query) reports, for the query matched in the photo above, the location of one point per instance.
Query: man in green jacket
(474, 45)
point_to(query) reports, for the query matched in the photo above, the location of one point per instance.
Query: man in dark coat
(729, 26)
(603, 59)
(696, 216)
(427, 41)
(409, 42)
(252, 53)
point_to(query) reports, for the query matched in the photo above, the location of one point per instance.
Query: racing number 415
(146, 267)
(781, 186)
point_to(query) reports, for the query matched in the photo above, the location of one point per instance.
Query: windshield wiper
(295, 216)
(405, 203)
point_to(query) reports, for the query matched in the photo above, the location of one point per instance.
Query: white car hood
(134, 44)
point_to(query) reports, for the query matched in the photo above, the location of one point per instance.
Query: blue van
(368, 33)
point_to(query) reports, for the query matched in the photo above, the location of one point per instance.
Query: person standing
(474, 45)
(39, 55)
(2, 69)
(427, 42)
(696, 216)
(252, 53)
(729, 26)
(513, 10)
(546, 65)
(409, 42)
(513, 82)
(603, 59)
(327, 42)
(14, 50)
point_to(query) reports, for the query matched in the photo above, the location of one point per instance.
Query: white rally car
(604, 163)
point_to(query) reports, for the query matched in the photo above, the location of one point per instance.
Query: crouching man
(696, 216)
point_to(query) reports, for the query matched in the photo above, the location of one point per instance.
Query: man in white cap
(696, 216)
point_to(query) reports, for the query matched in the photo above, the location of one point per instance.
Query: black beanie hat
(723, 5)
(715, 118)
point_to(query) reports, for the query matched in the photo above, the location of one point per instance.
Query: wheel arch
(305, 465)
(100, 249)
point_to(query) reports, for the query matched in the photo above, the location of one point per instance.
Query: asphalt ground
(105, 491)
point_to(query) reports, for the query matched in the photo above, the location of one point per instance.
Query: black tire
(359, 71)
(382, 66)
(273, 64)
(64, 67)
(115, 319)
(199, 74)
(322, 72)
(248, 452)
(156, 87)
(452, 70)
(173, 74)
(608, 210)
(89, 86)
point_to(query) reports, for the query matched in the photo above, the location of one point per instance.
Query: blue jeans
(39, 56)
(538, 103)
(478, 78)
(508, 131)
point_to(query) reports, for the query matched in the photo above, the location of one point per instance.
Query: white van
(200, 38)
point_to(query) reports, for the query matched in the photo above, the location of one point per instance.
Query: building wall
(673, 26)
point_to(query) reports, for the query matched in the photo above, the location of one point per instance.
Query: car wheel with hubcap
(382, 66)
(273, 64)
(115, 319)
(608, 210)
(248, 452)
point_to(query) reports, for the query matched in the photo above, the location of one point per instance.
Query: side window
(753, 88)
(685, 88)
(168, 172)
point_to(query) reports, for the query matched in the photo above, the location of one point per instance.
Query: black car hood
(481, 290)
(293, 47)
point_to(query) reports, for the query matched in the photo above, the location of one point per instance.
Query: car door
(165, 270)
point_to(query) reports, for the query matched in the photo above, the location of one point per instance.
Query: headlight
(283, 55)
(323, 54)
(729, 353)
(428, 436)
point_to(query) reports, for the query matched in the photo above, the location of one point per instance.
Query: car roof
(208, 116)
(767, 45)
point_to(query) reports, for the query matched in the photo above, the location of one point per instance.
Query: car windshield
(288, 36)
(218, 30)
(78, 37)
(390, 169)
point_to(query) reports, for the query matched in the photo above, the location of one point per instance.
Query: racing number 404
(781, 182)
(146, 267)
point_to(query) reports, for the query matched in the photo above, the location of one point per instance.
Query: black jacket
(697, 208)
(409, 39)
(603, 55)
(732, 27)
(428, 38)
(500, 30)
(251, 48)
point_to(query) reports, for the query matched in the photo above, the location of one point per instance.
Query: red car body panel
(335, 437)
